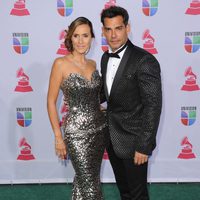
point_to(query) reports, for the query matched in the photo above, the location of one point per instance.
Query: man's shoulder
(140, 52)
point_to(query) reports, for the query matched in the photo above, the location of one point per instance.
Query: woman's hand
(60, 148)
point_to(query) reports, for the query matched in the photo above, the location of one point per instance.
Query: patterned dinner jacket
(135, 101)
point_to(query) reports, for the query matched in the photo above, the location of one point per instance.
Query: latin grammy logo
(105, 155)
(190, 82)
(110, 3)
(104, 44)
(149, 42)
(194, 8)
(23, 83)
(64, 111)
(19, 8)
(25, 152)
(186, 152)
(62, 49)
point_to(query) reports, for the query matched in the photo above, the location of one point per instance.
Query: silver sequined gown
(84, 130)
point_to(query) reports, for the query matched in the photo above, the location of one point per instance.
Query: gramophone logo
(19, 8)
(192, 41)
(63, 112)
(62, 49)
(190, 81)
(188, 115)
(23, 82)
(186, 151)
(20, 42)
(194, 8)
(105, 155)
(149, 42)
(110, 3)
(149, 7)
(104, 44)
(65, 7)
(25, 150)
(24, 116)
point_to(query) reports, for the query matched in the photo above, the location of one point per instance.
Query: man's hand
(140, 158)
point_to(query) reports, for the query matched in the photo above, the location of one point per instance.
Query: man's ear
(128, 28)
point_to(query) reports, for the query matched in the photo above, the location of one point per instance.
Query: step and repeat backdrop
(32, 35)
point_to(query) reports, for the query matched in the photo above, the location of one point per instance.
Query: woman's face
(81, 39)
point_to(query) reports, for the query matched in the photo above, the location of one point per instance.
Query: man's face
(115, 32)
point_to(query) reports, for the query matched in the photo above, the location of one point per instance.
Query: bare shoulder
(58, 62)
(61, 63)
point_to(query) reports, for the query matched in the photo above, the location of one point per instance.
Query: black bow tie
(115, 55)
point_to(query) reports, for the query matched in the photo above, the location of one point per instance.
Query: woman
(85, 124)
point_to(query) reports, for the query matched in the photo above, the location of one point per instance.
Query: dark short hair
(74, 24)
(114, 11)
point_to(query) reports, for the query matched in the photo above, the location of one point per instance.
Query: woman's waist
(85, 114)
(84, 109)
(85, 121)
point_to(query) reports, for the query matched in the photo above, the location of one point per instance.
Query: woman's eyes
(84, 35)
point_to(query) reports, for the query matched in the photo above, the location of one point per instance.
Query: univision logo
(65, 7)
(149, 7)
(188, 115)
(192, 41)
(21, 42)
(24, 116)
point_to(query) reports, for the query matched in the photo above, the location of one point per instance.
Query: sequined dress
(84, 131)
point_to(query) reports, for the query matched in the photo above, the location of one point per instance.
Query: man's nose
(113, 34)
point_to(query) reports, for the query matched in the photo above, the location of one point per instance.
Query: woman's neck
(79, 60)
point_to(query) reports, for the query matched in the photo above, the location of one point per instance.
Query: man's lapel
(104, 71)
(120, 70)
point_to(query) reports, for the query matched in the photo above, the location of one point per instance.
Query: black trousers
(131, 179)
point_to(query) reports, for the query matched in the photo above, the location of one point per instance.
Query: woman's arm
(53, 91)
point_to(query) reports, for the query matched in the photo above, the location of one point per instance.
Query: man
(132, 87)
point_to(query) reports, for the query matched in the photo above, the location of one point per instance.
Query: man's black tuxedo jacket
(134, 103)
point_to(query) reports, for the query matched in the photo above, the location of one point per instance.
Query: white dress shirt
(112, 67)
